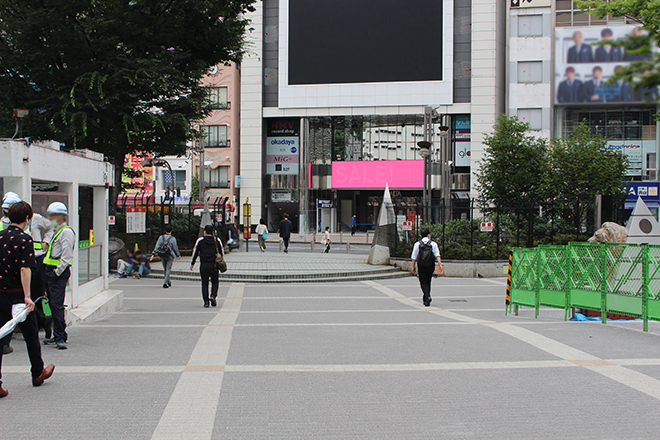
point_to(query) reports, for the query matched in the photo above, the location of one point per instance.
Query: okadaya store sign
(282, 155)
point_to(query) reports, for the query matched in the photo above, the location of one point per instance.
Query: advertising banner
(141, 178)
(636, 152)
(399, 174)
(462, 152)
(582, 68)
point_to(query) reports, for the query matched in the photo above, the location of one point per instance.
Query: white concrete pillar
(101, 234)
(72, 299)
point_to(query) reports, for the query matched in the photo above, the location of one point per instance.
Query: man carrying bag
(168, 250)
(211, 261)
(424, 256)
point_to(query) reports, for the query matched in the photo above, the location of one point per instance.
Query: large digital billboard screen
(365, 41)
(583, 68)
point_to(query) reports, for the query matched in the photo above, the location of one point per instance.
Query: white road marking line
(165, 369)
(191, 410)
(633, 379)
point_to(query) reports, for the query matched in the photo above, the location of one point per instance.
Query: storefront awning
(651, 205)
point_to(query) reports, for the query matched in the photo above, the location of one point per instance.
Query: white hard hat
(9, 199)
(57, 208)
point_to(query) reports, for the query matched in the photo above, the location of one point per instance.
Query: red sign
(166, 219)
(407, 226)
(412, 215)
(486, 226)
(111, 220)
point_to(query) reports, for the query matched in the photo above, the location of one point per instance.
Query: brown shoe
(48, 371)
(3, 392)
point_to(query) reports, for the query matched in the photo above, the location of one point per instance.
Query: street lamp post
(445, 163)
(425, 150)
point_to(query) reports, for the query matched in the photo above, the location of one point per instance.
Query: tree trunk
(116, 189)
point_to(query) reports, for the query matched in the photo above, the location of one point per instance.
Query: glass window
(564, 5)
(178, 181)
(530, 25)
(215, 136)
(218, 97)
(564, 19)
(533, 116)
(216, 178)
(530, 72)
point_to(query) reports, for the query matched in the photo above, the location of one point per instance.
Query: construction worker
(57, 264)
(41, 231)
(7, 200)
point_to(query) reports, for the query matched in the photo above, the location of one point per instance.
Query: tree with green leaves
(513, 169)
(582, 167)
(643, 74)
(114, 76)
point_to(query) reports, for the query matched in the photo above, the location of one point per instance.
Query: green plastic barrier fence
(610, 278)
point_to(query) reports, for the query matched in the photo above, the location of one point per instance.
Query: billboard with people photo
(583, 67)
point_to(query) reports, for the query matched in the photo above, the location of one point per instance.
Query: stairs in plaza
(294, 276)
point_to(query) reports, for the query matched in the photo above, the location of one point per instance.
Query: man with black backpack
(424, 255)
(168, 250)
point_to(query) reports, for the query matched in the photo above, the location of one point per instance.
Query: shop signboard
(636, 152)
(278, 195)
(582, 68)
(136, 220)
(530, 3)
(375, 174)
(326, 203)
(648, 191)
(462, 138)
(283, 146)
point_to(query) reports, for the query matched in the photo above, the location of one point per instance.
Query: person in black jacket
(206, 248)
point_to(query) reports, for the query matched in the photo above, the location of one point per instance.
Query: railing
(610, 278)
(89, 263)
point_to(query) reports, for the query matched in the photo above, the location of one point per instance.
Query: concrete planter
(463, 268)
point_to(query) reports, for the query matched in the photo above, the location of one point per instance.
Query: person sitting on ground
(139, 265)
(123, 265)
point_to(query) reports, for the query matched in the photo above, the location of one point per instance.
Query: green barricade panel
(625, 305)
(587, 299)
(552, 298)
(653, 309)
(523, 297)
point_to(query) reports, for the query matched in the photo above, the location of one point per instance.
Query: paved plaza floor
(360, 360)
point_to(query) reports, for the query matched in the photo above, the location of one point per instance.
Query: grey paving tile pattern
(337, 361)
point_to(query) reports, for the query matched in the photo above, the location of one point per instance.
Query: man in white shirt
(424, 256)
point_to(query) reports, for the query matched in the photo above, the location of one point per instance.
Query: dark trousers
(28, 328)
(425, 276)
(38, 288)
(353, 229)
(57, 292)
(286, 243)
(208, 271)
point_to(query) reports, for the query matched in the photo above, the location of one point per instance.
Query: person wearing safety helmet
(7, 200)
(41, 231)
(57, 263)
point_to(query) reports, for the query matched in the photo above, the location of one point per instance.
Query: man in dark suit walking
(570, 89)
(580, 53)
(608, 53)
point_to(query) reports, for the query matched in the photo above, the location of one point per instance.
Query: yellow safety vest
(54, 261)
(37, 244)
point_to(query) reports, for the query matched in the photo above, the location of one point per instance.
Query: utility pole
(445, 181)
